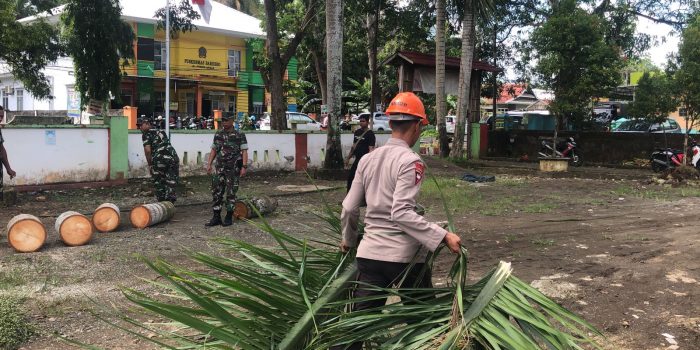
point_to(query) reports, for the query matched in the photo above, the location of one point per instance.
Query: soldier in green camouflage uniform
(230, 149)
(163, 162)
(3, 159)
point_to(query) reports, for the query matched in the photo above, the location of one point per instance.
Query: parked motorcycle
(566, 149)
(662, 159)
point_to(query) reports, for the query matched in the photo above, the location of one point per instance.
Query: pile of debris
(682, 175)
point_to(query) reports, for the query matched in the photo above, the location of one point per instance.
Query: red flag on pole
(198, 2)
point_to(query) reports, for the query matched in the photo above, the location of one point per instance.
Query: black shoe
(215, 220)
(228, 220)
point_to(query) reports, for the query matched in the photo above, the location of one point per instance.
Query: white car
(381, 121)
(450, 122)
(303, 122)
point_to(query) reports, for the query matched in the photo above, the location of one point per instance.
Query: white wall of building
(61, 79)
(41, 155)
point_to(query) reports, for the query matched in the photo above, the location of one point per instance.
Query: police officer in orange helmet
(388, 181)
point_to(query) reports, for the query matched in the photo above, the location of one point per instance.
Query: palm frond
(295, 296)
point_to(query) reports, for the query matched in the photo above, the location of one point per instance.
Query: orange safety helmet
(407, 106)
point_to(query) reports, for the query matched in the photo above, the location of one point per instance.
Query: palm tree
(440, 78)
(472, 8)
(334, 81)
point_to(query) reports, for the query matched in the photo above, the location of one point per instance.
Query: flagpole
(167, 68)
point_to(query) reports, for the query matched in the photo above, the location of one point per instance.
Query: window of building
(190, 103)
(232, 104)
(159, 55)
(234, 62)
(683, 112)
(20, 99)
(5, 100)
(160, 102)
(257, 108)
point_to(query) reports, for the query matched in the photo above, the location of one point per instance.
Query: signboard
(324, 109)
(174, 105)
(73, 103)
(378, 108)
(94, 107)
(50, 137)
(202, 60)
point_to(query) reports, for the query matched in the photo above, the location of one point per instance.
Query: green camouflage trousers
(225, 181)
(166, 175)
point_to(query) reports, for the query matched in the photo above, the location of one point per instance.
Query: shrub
(14, 329)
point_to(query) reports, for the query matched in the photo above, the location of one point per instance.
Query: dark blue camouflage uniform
(165, 164)
(229, 160)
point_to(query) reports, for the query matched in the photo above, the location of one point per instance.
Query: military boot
(228, 220)
(215, 220)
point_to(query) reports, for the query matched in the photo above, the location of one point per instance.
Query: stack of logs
(26, 233)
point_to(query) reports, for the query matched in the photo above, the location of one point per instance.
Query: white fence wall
(40, 155)
(267, 151)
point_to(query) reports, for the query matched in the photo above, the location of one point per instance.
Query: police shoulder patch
(420, 171)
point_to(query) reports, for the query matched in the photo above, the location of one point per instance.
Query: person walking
(364, 142)
(163, 161)
(3, 156)
(230, 150)
(388, 181)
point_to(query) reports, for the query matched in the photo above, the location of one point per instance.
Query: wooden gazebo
(416, 72)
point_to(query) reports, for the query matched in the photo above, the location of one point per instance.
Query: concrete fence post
(118, 146)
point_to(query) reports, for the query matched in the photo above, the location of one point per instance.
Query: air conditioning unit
(8, 90)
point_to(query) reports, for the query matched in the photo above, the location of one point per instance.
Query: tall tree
(372, 25)
(99, 43)
(181, 18)
(687, 74)
(575, 61)
(440, 101)
(27, 48)
(281, 46)
(334, 53)
(473, 9)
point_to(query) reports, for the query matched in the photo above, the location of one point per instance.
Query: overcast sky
(658, 53)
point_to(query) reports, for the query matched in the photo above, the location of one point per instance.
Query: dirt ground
(617, 249)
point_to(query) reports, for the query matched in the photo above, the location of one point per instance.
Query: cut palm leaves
(295, 296)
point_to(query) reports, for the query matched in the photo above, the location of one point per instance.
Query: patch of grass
(98, 256)
(11, 278)
(14, 329)
(510, 237)
(542, 242)
(497, 207)
(539, 208)
(459, 196)
(510, 182)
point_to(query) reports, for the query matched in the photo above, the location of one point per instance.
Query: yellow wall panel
(242, 101)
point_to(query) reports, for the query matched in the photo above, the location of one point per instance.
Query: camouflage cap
(144, 119)
(226, 117)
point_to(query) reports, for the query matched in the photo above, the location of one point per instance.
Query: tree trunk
(334, 53)
(372, 32)
(320, 74)
(273, 78)
(465, 75)
(440, 79)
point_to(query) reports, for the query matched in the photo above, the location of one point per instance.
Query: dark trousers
(353, 170)
(384, 274)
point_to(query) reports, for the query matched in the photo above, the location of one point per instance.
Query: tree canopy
(99, 43)
(28, 48)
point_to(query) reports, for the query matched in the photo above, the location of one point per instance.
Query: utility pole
(167, 68)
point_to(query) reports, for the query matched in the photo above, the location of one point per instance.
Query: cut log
(75, 229)
(245, 209)
(26, 233)
(106, 217)
(150, 214)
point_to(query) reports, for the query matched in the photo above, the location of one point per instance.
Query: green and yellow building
(211, 68)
